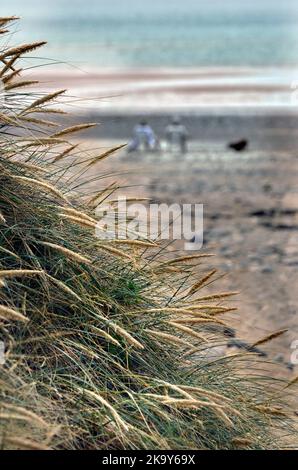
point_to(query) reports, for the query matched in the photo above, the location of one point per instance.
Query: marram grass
(106, 347)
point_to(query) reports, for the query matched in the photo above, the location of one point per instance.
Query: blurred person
(143, 137)
(177, 135)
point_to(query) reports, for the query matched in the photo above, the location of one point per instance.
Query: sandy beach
(250, 199)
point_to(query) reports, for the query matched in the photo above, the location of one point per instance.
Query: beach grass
(106, 345)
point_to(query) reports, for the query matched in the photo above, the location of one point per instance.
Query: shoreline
(166, 89)
(270, 131)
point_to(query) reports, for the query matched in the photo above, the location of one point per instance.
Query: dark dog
(239, 146)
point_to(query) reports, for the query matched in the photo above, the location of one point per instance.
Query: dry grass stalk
(193, 321)
(29, 414)
(105, 155)
(41, 122)
(270, 337)
(95, 396)
(175, 388)
(271, 410)
(11, 75)
(9, 253)
(22, 84)
(137, 243)
(2, 219)
(183, 259)
(242, 442)
(224, 310)
(194, 403)
(167, 310)
(24, 444)
(64, 287)
(201, 282)
(79, 220)
(66, 152)
(67, 253)
(131, 199)
(41, 184)
(104, 334)
(216, 296)
(42, 142)
(7, 119)
(7, 313)
(45, 110)
(168, 338)
(9, 64)
(114, 251)
(4, 20)
(44, 100)
(44, 338)
(182, 402)
(178, 403)
(77, 213)
(30, 166)
(127, 336)
(210, 307)
(187, 330)
(156, 396)
(73, 129)
(292, 382)
(15, 51)
(228, 422)
(205, 392)
(104, 194)
(208, 311)
(11, 273)
(14, 417)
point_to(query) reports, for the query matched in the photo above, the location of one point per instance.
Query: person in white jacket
(143, 137)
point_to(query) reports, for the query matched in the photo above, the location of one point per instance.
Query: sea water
(162, 33)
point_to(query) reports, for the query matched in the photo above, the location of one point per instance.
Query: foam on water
(171, 33)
